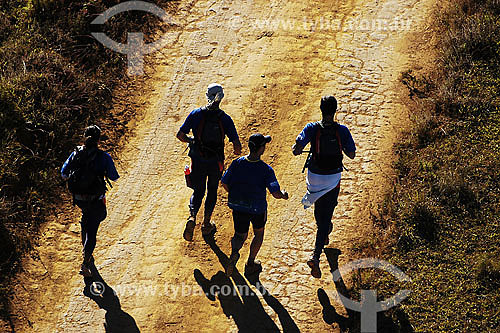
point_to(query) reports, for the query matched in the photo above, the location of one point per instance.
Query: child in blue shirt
(246, 181)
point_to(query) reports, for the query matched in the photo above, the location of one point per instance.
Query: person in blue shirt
(93, 205)
(210, 125)
(246, 181)
(329, 141)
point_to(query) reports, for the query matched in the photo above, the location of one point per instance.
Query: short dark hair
(328, 105)
(92, 135)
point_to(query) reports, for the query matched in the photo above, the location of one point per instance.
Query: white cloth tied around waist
(318, 185)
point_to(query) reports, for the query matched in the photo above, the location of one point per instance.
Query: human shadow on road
(287, 323)
(330, 314)
(247, 312)
(116, 320)
(351, 323)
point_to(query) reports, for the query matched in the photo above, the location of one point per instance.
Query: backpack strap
(316, 145)
(338, 136)
(201, 125)
(221, 126)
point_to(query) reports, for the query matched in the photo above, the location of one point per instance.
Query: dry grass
(55, 79)
(443, 213)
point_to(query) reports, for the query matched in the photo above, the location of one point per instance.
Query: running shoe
(208, 229)
(254, 268)
(314, 265)
(189, 229)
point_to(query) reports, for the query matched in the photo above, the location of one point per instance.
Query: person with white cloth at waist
(329, 141)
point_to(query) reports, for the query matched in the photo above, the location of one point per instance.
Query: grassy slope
(444, 210)
(55, 79)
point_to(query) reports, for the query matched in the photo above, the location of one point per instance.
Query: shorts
(242, 221)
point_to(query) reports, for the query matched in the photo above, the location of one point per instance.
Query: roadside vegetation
(55, 79)
(441, 224)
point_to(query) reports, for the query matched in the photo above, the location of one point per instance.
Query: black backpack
(210, 135)
(327, 149)
(83, 179)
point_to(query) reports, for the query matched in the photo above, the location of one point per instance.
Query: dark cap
(258, 140)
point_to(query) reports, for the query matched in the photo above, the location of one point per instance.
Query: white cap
(214, 91)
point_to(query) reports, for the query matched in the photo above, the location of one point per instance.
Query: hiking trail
(275, 60)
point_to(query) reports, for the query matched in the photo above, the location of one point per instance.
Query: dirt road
(275, 59)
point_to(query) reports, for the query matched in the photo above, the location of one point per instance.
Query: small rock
(265, 85)
(74, 228)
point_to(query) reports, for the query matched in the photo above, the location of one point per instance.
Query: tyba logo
(135, 49)
(368, 306)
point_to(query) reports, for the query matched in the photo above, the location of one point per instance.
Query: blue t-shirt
(194, 118)
(103, 165)
(309, 132)
(247, 182)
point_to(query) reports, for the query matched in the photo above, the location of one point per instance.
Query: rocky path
(275, 60)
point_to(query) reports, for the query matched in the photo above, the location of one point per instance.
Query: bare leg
(236, 244)
(257, 240)
(237, 241)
